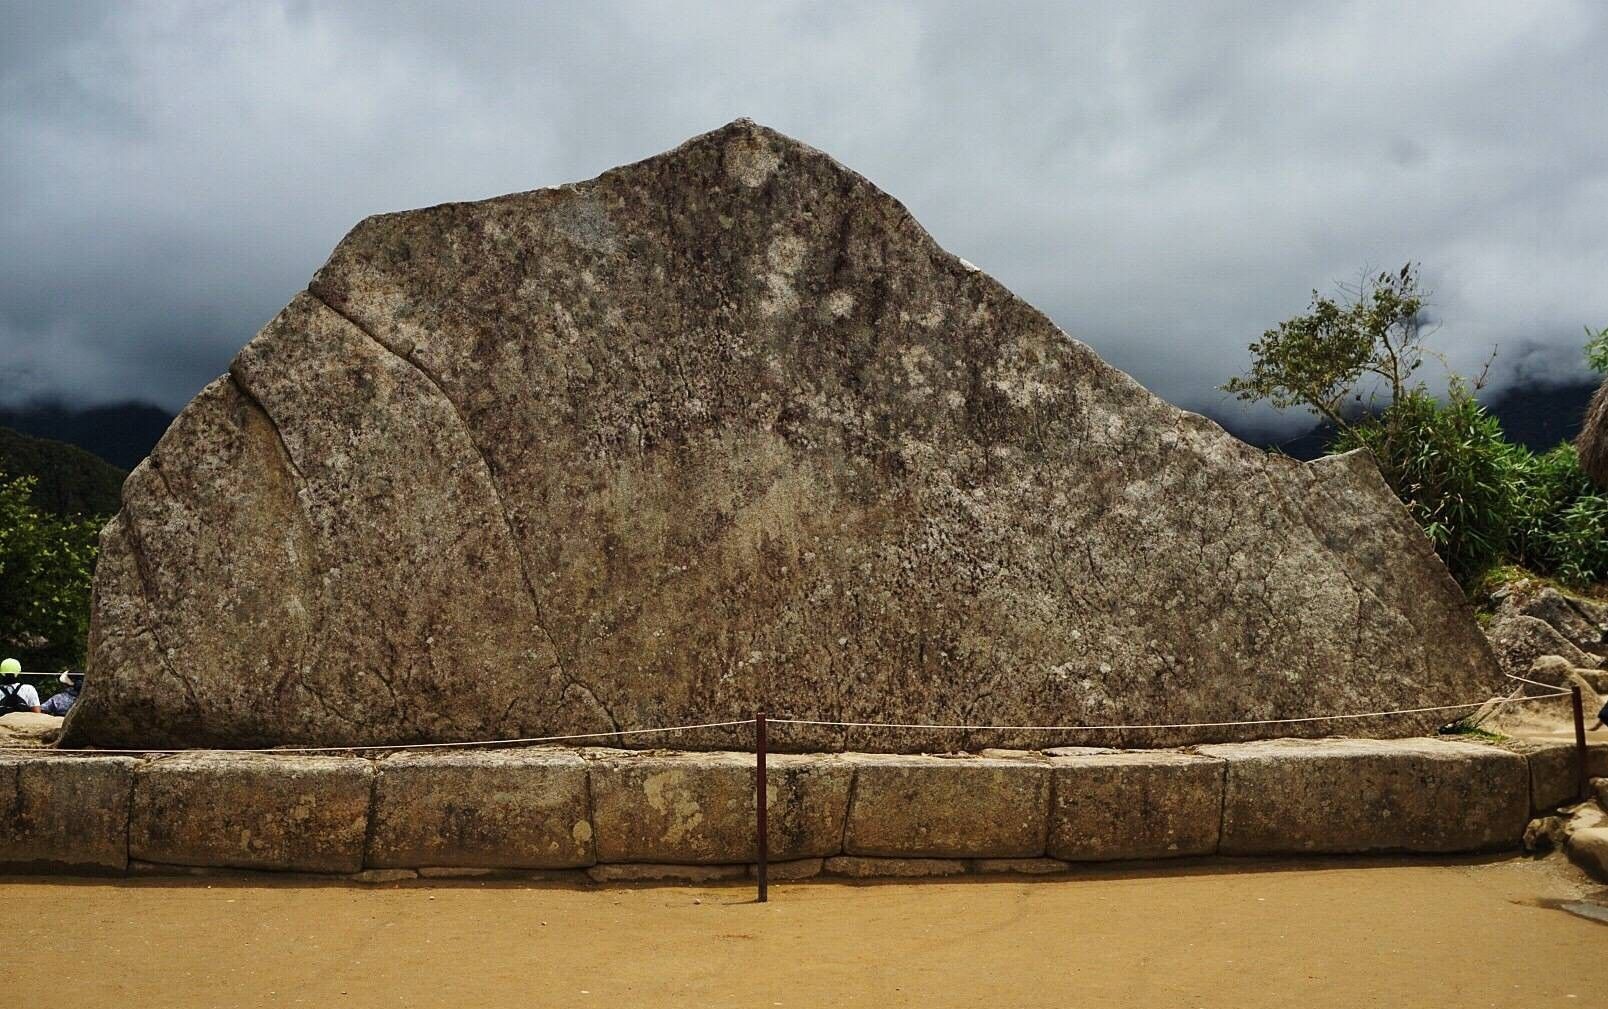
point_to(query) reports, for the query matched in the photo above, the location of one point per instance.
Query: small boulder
(1565, 615)
(1545, 833)
(1519, 641)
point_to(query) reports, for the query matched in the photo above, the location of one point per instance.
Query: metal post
(1580, 740)
(763, 866)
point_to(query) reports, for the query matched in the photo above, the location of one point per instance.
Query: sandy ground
(1343, 933)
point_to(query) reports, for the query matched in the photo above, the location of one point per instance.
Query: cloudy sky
(1165, 179)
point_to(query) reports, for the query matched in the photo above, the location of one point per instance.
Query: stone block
(252, 811)
(1554, 771)
(783, 872)
(1139, 804)
(1286, 796)
(860, 867)
(641, 872)
(1017, 866)
(64, 811)
(383, 876)
(698, 808)
(941, 807)
(481, 808)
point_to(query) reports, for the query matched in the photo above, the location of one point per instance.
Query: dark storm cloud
(1165, 179)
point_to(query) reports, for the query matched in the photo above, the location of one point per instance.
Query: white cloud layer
(1164, 179)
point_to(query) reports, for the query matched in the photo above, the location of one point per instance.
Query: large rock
(481, 809)
(1159, 804)
(699, 807)
(722, 426)
(283, 812)
(63, 811)
(1286, 796)
(942, 807)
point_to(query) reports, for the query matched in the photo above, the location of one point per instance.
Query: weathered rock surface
(1579, 621)
(1356, 795)
(858, 867)
(1133, 805)
(1519, 641)
(1586, 839)
(782, 872)
(491, 809)
(699, 807)
(64, 811)
(940, 807)
(721, 426)
(647, 873)
(1554, 771)
(1017, 866)
(294, 813)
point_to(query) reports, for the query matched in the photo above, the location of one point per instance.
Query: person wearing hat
(14, 694)
(61, 701)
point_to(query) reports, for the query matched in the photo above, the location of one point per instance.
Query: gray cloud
(1164, 179)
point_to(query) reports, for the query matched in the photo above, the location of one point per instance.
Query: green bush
(1452, 468)
(1576, 545)
(1546, 485)
(1481, 499)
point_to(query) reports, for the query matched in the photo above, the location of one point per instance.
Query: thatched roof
(1592, 444)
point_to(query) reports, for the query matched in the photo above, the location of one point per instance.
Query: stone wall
(619, 815)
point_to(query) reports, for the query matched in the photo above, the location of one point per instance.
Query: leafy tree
(46, 563)
(1317, 360)
(1480, 498)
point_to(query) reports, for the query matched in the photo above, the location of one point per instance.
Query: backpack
(11, 699)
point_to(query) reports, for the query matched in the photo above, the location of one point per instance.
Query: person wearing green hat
(15, 695)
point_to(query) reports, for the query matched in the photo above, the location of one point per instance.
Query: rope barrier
(1156, 725)
(1553, 691)
(522, 741)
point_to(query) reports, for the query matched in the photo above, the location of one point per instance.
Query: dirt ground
(1342, 933)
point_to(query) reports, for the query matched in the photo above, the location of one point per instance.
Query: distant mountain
(71, 481)
(122, 434)
(1534, 416)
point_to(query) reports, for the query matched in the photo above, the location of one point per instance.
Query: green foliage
(1452, 468)
(1482, 500)
(1485, 502)
(1597, 349)
(1316, 360)
(1546, 486)
(1577, 543)
(46, 562)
